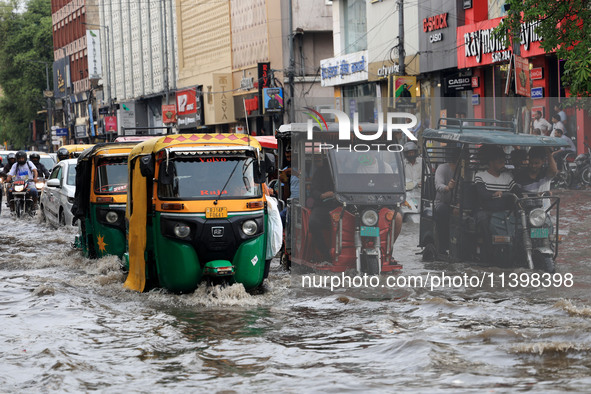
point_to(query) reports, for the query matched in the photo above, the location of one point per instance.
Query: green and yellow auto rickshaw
(101, 195)
(196, 210)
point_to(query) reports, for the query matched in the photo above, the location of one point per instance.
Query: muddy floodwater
(68, 325)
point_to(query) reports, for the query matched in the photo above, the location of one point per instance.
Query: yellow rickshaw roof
(76, 147)
(116, 148)
(157, 144)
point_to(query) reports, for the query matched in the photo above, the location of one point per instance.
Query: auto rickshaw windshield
(111, 176)
(352, 171)
(203, 177)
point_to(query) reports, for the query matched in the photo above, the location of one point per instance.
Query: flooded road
(68, 325)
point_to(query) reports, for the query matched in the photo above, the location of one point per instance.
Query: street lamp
(108, 59)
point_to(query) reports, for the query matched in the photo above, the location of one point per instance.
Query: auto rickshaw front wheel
(370, 264)
(545, 263)
(430, 252)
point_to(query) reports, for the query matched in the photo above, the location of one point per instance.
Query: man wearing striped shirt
(494, 184)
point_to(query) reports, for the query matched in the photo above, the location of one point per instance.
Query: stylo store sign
(345, 130)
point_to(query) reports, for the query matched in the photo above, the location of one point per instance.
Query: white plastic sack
(275, 228)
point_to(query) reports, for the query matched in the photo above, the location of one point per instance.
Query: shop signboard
(537, 73)
(537, 93)
(61, 77)
(522, 86)
(459, 83)
(403, 90)
(273, 99)
(478, 45)
(81, 131)
(61, 132)
(93, 49)
(349, 68)
(186, 105)
(110, 124)
(168, 113)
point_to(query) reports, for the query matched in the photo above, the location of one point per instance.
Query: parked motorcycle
(583, 166)
(22, 199)
(566, 173)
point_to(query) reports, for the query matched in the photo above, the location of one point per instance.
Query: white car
(58, 195)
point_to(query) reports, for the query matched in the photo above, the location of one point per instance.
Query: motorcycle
(410, 208)
(566, 173)
(583, 166)
(22, 199)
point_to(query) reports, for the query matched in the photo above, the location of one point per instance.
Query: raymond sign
(168, 113)
(478, 46)
(522, 87)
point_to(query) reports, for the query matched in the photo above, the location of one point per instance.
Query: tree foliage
(25, 42)
(565, 28)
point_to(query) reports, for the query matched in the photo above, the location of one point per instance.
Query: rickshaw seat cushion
(502, 223)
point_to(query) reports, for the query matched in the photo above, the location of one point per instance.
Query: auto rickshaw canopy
(84, 172)
(491, 132)
(175, 140)
(74, 148)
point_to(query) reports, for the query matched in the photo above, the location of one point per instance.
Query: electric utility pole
(401, 53)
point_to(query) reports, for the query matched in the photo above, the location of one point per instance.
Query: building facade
(76, 78)
(140, 58)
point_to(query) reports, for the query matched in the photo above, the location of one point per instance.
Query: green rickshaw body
(189, 221)
(100, 199)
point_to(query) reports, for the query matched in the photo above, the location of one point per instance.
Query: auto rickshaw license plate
(539, 232)
(369, 231)
(216, 212)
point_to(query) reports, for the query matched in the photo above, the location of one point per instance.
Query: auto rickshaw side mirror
(260, 173)
(270, 165)
(147, 166)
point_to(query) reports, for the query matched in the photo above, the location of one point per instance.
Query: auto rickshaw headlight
(537, 217)
(182, 230)
(249, 227)
(112, 217)
(369, 218)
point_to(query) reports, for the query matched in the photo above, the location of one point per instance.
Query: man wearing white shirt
(557, 124)
(540, 123)
(559, 155)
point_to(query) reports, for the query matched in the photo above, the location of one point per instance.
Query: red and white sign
(186, 102)
(435, 22)
(475, 82)
(537, 73)
(522, 86)
(534, 110)
(110, 124)
(478, 46)
(168, 113)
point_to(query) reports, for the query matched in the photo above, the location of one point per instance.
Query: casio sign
(461, 82)
(435, 37)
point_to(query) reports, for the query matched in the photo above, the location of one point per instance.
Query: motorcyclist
(62, 154)
(412, 163)
(11, 159)
(23, 170)
(35, 158)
